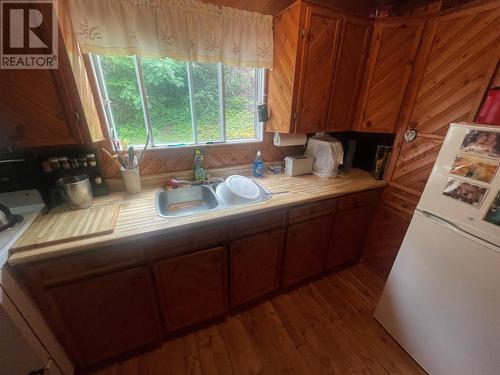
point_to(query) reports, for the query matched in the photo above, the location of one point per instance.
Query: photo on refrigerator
(465, 192)
(493, 214)
(480, 142)
(474, 167)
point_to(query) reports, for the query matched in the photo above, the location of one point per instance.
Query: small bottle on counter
(98, 179)
(63, 161)
(91, 160)
(82, 161)
(258, 165)
(54, 163)
(199, 172)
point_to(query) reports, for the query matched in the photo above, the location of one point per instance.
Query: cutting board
(69, 226)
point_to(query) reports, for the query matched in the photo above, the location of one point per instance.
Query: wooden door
(347, 236)
(305, 250)
(254, 265)
(321, 35)
(459, 54)
(192, 287)
(108, 315)
(392, 54)
(351, 58)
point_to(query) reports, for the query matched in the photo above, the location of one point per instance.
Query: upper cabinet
(393, 50)
(351, 58)
(49, 107)
(306, 47)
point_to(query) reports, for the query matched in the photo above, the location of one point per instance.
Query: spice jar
(73, 163)
(63, 161)
(54, 163)
(46, 166)
(98, 179)
(82, 160)
(91, 160)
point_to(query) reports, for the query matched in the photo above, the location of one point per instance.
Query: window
(180, 103)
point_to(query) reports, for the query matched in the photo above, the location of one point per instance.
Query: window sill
(199, 145)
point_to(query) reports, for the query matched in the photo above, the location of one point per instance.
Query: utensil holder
(132, 180)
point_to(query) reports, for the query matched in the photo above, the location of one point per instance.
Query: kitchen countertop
(138, 218)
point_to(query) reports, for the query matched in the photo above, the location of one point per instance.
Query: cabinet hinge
(294, 116)
(77, 115)
(304, 33)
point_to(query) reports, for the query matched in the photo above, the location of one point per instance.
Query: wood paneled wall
(216, 156)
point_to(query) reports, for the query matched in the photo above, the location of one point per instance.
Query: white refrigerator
(441, 301)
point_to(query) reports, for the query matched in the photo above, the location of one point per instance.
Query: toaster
(298, 165)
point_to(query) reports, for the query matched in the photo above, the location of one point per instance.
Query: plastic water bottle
(258, 165)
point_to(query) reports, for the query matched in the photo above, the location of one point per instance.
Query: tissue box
(298, 165)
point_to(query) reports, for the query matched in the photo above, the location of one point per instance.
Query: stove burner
(14, 220)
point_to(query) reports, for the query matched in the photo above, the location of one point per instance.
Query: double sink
(196, 199)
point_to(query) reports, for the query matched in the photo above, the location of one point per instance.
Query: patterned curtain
(181, 29)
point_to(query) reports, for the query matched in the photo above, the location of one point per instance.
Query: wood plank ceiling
(275, 6)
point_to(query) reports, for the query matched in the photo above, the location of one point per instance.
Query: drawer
(311, 210)
(88, 262)
(357, 199)
(182, 241)
(257, 223)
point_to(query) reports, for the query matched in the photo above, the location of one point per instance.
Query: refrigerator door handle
(457, 229)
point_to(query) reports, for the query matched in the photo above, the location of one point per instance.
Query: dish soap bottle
(258, 165)
(199, 171)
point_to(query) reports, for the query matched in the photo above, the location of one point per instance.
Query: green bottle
(199, 172)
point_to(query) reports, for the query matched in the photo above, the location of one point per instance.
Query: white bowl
(238, 190)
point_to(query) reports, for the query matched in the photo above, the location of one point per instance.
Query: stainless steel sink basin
(196, 199)
(185, 201)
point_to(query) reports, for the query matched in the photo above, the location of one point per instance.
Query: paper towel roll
(281, 140)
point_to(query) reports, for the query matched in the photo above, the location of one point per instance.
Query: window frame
(259, 95)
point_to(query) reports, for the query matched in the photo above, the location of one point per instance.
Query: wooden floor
(325, 327)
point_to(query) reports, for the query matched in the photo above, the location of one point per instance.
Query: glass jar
(63, 161)
(82, 160)
(54, 163)
(91, 160)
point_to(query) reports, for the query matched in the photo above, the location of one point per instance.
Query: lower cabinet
(305, 250)
(347, 236)
(108, 315)
(254, 264)
(192, 287)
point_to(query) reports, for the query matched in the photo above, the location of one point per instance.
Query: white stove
(28, 204)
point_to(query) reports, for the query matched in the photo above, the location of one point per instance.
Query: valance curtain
(181, 29)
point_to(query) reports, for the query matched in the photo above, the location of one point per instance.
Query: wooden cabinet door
(305, 250)
(347, 237)
(192, 287)
(108, 315)
(450, 78)
(254, 265)
(31, 111)
(351, 58)
(321, 35)
(393, 49)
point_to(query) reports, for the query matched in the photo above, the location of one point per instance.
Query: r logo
(29, 35)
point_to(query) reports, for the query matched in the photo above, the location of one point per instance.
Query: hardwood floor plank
(242, 353)
(276, 349)
(212, 350)
(323, 328)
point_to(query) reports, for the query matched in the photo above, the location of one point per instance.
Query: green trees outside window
(184, 102)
